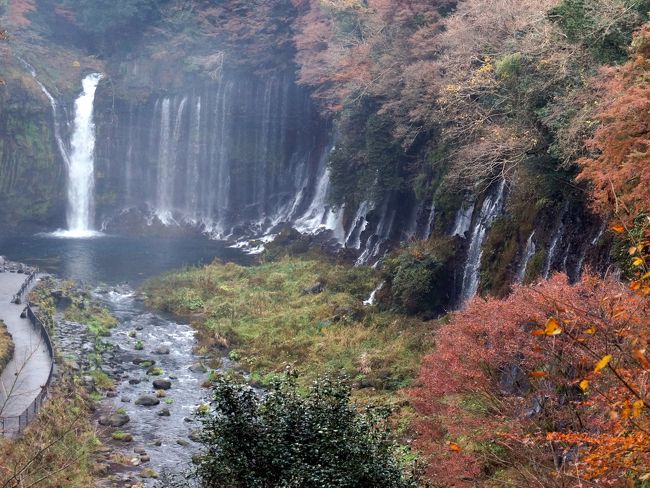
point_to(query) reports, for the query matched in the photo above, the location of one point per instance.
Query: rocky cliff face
(32, 175)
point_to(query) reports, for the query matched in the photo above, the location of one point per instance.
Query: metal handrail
(21, 421)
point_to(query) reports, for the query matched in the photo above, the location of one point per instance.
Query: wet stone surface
(158, 392)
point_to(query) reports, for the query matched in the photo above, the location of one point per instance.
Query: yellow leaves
(604, 361)
(637, 407)
(552, 327)
(537, 374)
(584, 385)
(454, 447)
(636, 262)
(590, 330)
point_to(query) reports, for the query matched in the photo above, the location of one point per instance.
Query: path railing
(16, 424)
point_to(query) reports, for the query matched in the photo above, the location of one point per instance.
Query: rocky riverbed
(147, 418)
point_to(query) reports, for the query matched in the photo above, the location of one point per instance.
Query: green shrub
(287, 439)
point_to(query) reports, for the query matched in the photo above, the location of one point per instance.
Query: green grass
(262, 315)
(102, 380)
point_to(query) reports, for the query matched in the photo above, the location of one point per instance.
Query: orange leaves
(602, 363)
(639, 355)
(538, 374)
(584, 385)
(454, 447)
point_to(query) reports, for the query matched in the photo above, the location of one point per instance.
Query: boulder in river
(115, 420)
(164, 412)
(161, 384)
(162, 350)
(147, 401)
(198, 368)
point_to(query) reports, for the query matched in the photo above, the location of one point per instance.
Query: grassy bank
(6, 346)
(304, 313)
(56, 448)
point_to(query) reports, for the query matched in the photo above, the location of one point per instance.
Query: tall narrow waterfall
(81, 171)
(490, 210)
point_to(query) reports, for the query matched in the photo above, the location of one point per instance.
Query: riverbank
(6, 346)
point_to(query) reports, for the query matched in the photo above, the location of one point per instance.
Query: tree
(283, 438)
(618, 168)
(554, 365)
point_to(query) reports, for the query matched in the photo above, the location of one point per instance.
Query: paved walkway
(27, 372)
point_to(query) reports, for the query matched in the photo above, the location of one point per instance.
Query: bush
(418, 277)
(288, 439)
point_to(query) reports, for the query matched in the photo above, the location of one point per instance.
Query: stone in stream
(134, 381)
(126, 399)
(162, 350)
(147, 401)
(195, 436)
(148, 473)
(198, 368)
(115, 420)
(164, 412)
(162, 384)
(145, 458)
(182, 442)
(139, 450)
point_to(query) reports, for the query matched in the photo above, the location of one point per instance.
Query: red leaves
(619, 171)
(582, 348)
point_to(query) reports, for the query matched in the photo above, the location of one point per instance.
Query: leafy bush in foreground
(288, 439)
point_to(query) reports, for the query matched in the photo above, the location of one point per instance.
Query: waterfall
(359, 224)
(529, 252)
(81, 171)
(552, 250)
(373, 296)
(55, 113)
(429, 227)
(463, 220)
(375, 243)
(490, 210)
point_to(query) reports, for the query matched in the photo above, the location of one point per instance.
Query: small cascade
(529, 252)
(490, 210)
(63, 150)
(371, 300)
(375, 243)
(463, 220)
(553, 248)
(430, 221)
(81, 170)
(359, 225)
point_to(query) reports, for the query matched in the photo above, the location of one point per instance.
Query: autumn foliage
(620, 167)
(547, 385)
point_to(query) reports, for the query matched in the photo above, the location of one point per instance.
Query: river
(113, 267)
